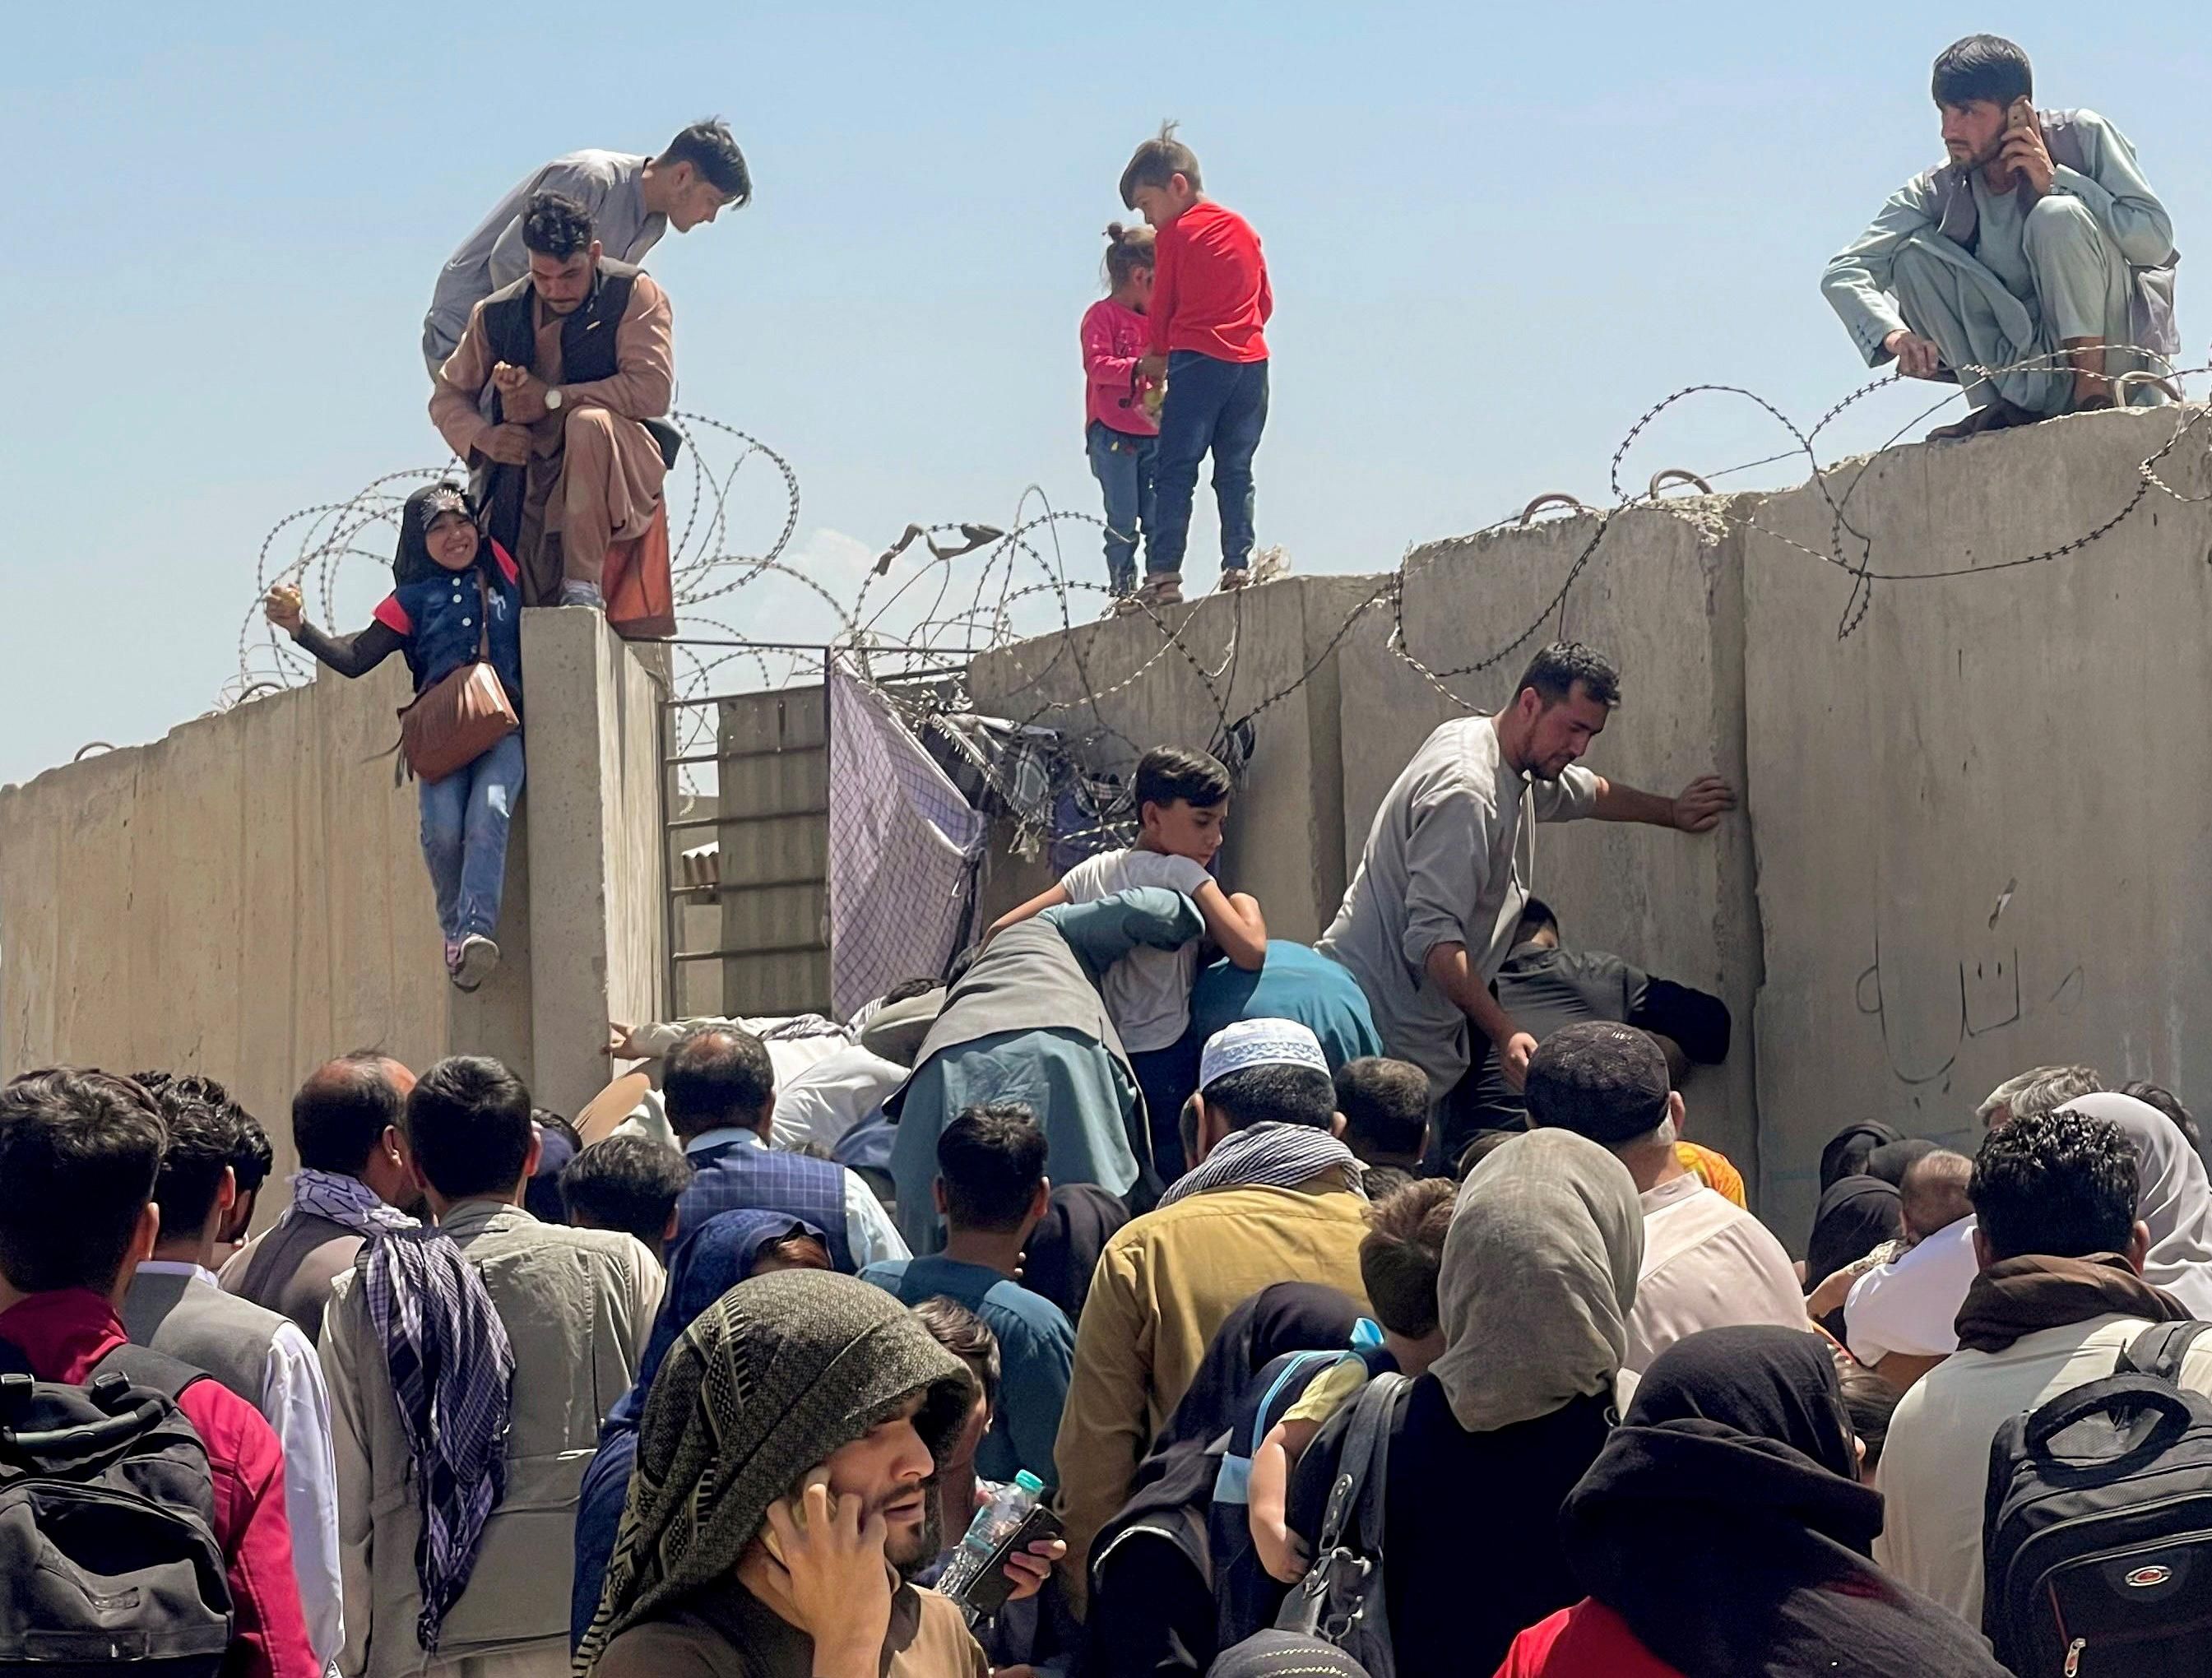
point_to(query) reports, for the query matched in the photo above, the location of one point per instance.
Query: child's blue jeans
(464, 821)
(1211, 404)
(1123, 463)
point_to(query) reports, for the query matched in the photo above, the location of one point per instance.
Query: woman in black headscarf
(1723, 1530)
(1152, 1604)
(454, 596)
(1856, 1214)
(1846, 1153)
(1064, 1248)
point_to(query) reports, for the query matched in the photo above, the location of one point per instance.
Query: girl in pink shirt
(1122, 434)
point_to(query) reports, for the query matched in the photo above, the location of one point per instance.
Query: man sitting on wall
(2036, 240)
(553, 399)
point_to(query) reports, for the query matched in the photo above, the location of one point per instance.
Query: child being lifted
(1182, 802)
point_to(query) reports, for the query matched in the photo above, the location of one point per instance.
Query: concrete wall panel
(1977, 817)
(1661, 594)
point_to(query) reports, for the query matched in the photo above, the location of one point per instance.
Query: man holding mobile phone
(2034, 267)
(785, 1494)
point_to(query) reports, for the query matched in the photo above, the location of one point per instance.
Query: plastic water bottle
(994, 1522)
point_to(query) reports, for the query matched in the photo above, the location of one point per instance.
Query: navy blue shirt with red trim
(437, 622)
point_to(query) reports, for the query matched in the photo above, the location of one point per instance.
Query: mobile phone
(2021, 114)
(989, 1594)
(796, 1503)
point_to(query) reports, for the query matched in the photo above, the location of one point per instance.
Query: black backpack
(2097, 1529)
(107, 1524)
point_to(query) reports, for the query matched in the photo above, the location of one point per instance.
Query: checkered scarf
(346, 1200)
(1269, 1155)
(452, 1367)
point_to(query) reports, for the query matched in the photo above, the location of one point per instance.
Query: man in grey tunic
(2038, 241)
(1431, 916)
(629, 201)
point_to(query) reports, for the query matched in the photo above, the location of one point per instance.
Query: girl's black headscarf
(1723, 1521)
(412, 560)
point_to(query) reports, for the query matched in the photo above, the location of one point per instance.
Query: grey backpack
(1343, 1599)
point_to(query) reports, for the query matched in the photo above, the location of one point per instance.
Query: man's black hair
(556, 226)
(79, 1151)
(626, 1183)
(1981, 67)
(967, 1337)
(991, 1160)
(468, 1125)
(2158, 1096)
(1385, 1105)
(1167, 772)
(1554, 671)
(907, 989)
(1536, 916)
(707, 147)
(341, 1113)
(1286, 1094)
(207, 1133)
(715, 1076)
(1158, 161)
(2061, 1184)
(1600, 1079)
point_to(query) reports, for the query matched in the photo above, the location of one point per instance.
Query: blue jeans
(1223, 406)
(1123, 463)
(464, 819)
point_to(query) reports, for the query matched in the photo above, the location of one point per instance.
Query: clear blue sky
(1497, 235)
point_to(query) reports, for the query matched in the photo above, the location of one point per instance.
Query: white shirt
(1911, 1303)
(869, 1230)
(297, 1405)
(1935, 1466)
(1147, 992)
(831, 1096)
(1707, 1264)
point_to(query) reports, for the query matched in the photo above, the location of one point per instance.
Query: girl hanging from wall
(455, 597)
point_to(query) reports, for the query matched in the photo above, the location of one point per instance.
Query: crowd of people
(1352, 1308)
(1296, 1406)
(1300, 1285)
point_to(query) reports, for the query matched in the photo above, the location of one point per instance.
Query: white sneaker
(582, 594)
(1237, 576)
(478, 958)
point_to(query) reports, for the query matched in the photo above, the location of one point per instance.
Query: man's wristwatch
(552, 399)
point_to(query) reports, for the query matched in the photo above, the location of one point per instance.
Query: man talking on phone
(2037, 242)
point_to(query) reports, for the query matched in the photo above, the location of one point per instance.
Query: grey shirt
(610, 185)
(1447, 861)
(1858, 282)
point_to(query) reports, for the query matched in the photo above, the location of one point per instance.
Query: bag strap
(483, 617)
(1357, 1491)
(143, 1366)
(2160, 1352)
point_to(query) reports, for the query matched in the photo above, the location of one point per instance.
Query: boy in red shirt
(79, 1151)
(1209, 301)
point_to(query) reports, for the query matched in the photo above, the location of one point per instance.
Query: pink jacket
(1115, 340)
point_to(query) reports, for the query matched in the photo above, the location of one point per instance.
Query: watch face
(553, 398)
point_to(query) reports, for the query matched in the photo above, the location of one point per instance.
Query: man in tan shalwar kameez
(559, 469)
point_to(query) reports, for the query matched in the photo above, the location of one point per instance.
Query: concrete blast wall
(1965, 831)
(246, 898)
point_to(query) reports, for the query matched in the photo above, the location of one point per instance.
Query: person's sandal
(1163, 590)
(1237, 576)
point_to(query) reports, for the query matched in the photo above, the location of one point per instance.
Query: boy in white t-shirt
(1182, 803)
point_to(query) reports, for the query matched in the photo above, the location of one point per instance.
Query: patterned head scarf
(771, 1379)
